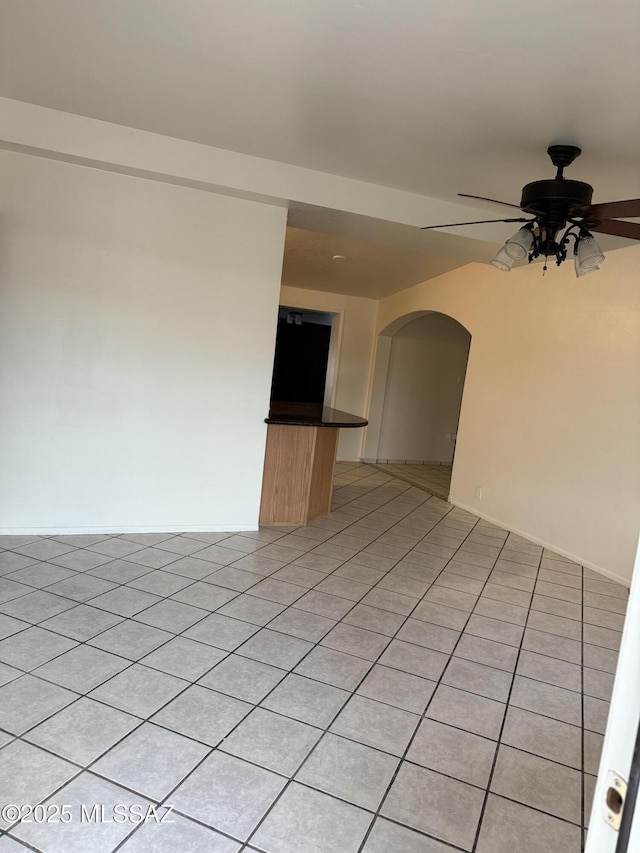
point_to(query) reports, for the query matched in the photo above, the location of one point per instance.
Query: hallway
(396, 677)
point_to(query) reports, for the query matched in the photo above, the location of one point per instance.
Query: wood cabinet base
(298, 473)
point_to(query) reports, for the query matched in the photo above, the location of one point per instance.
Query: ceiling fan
(552, 204)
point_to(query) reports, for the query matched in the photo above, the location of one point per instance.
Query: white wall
(76, 138)
(549, 421)
(356, 332)
(424, 385)
(138, 326)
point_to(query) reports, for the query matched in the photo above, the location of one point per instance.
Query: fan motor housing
(556, 196)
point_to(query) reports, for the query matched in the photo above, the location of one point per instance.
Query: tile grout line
(504, 719)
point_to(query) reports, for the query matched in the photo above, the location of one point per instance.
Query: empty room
(319, 406)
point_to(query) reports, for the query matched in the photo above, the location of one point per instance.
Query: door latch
(613, 805)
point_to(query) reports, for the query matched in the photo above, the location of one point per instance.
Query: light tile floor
(396, 677)
(434, 478)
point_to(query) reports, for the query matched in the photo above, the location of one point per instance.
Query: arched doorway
(416, 398)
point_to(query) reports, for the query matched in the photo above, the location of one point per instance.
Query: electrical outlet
(479, 493)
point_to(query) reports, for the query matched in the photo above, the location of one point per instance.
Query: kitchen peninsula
(300, 457)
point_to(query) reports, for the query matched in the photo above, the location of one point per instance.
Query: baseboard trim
(576, 558)
(434, 462)
(143, 528)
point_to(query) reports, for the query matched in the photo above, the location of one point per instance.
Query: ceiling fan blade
(477, 222)
(613, 209)
(491, 200)
(619, 229)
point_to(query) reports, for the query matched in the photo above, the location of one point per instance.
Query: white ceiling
(429, 96)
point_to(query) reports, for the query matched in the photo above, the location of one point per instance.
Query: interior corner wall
(424, 385)
(137, 335)
(357, 326)
(551, 404)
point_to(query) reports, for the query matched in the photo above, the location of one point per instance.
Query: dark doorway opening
(301, 357)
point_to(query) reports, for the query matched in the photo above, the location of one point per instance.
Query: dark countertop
(312, 414)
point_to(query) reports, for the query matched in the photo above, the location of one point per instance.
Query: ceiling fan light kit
(503, 260)
(580, 272)
(521, 244)
(587, 254)
(554, 204)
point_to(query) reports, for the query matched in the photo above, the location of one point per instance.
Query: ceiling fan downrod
(563, 156)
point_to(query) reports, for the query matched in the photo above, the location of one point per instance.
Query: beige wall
(356, 336)
(424, 385)
(138, 325)
(550, 417)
